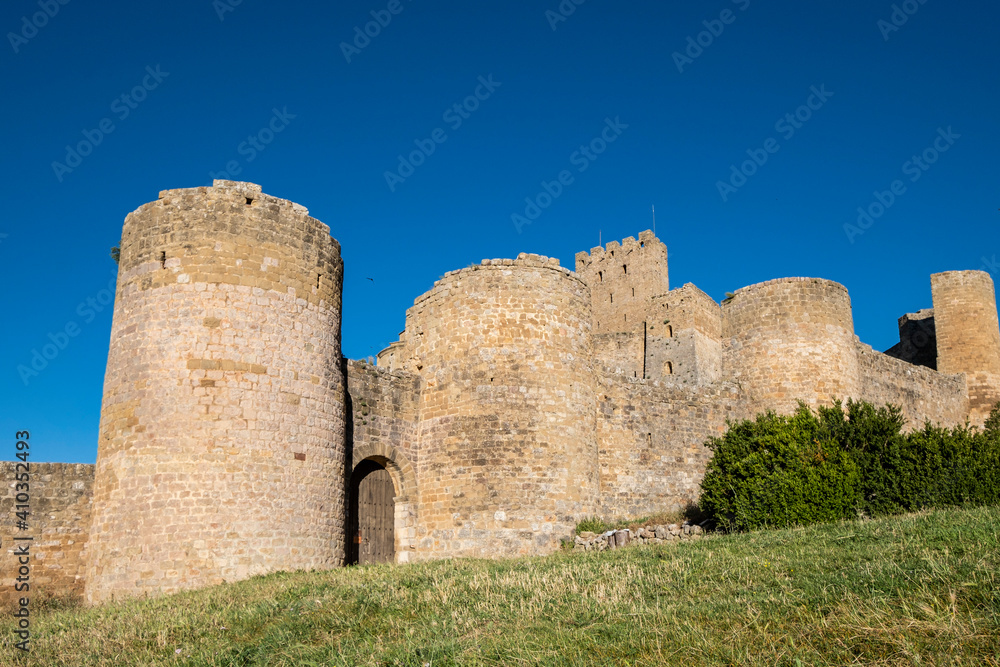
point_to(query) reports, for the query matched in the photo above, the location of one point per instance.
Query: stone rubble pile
(615, 539)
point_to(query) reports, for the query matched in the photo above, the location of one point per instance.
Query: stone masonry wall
(684, 337)
(221, 444)
(620, 353)
(788, 340)
(508, 457)
(623, 278)
(968, 336)
(686, 307)
(917, 339)
(59, 523)
(651, 439)
(689, 357)
(922, 393)
(382, 426)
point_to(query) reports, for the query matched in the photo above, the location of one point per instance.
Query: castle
(521, 397)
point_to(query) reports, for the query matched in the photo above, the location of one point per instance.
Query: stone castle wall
(788, 340)
(222, 425)
(620, 353)
(382, 426)
(520, 398)
(651, 439)
(968, 337)
(623, 278)
(60, 496)
(684, 338)
(508, 458)
(922, 393)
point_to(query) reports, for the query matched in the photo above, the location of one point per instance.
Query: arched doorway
(372, 516)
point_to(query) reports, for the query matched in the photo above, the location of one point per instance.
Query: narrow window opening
(649, 439)
(612, 253)
(249, 201)
(668, 368)
(633, 291)
(626, 317)
(600, 276)
(625, 268)
(163, 260)
(642, 244)
(670, 331)
(612, 298)
(318, 276)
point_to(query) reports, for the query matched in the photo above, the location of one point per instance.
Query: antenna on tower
(600, 241)
(654, 219)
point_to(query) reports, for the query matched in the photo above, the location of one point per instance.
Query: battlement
(627, 245)
(623, 278)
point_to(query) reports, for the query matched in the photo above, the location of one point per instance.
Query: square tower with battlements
(624, 278)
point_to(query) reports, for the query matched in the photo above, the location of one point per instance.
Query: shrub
(833, 464)
(779, 470)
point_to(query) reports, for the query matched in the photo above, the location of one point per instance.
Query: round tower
(508, 463)
(968, 336)
(221, 445)
(791, 339)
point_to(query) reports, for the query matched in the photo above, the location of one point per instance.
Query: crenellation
(520, 397)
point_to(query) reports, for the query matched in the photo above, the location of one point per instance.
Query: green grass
(920, 589)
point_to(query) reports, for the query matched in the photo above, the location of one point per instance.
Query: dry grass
(921, 589)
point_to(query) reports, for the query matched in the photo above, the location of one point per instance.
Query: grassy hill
(921, 589)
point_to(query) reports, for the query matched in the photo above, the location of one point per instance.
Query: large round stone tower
(968, 337)
(508, 459)
(221, 451)
(791, 339)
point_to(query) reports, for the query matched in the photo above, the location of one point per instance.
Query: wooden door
(376, 518)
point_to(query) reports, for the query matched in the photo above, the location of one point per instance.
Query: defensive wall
(520, 397)
(58, 523)
(222, 426)
(508, 457)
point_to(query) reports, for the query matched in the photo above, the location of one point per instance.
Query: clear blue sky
(887, 93)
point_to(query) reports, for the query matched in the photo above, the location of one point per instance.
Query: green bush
(834, 464)
(778, 471)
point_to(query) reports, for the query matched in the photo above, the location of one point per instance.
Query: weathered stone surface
(59, 500)
(968, 336)
(221, 449)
